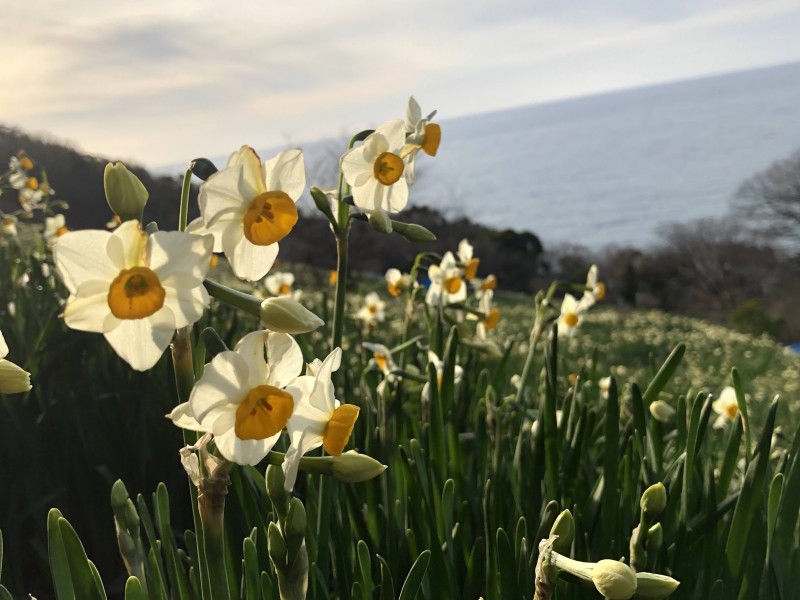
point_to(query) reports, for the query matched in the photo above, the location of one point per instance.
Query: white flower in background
(382, 358)
(373, 310)
(397, 282)
(374, 169)
(571, 315)
(661, 411)
(135, 289)
(595, 290)
(482, 286)
(249, 208)
(438, 363)
(13, 379)
(726, 407)
(54, 228)
(240, 397)
(10, 226)
(490, 318)
(467, 261)
(281, 283)
(318, 418)
(447, 286)
(421, 134)
(604, 383)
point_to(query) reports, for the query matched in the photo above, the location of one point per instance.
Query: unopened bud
(125, 193)
(202, 168)
(127, 545)
(662, 411)
(119, 495)
(353, 467)
(654, 501)
(13, 379)
(295, 519)
(379, 221)
(284, 314)
(614, 580)
(276, 491)
(413, 232)
(564, 528)
(276, 547)
(653, 586)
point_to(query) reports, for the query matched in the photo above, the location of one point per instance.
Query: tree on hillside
(769, 202)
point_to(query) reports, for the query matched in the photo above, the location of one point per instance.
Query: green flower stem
(342, 244)
(184, 382)
(536, 333)
(211, 505)
(183, 215)
(249, 304)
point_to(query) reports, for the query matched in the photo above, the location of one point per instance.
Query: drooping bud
(202, 168)
(653, 502)
(284, 314)
(655, 537)
(614, 580)
(379, 221)
(654, 587)
(413, 232)
(125, 193)
(352, 467)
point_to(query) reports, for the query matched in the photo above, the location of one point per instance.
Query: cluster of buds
(286, 538)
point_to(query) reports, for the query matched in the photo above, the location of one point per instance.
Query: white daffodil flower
(134, 288)
(13, 379)
(438, 363)
(373, 310)
(249, 208)
(726, 407)
(467, 261)
(318, 418)
(604, 383)
(54, 228)
(571, 315)
(374, 169)
(240, 397)
(482, 286)
(595, 290)
(397, 282)
(447, 286)
(9, 226)
(421, 134)
(491, 316)
(281, 283)
(382, 358)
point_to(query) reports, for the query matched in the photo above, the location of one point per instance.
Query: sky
(160, 83)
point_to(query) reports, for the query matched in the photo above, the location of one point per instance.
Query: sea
(611, 168)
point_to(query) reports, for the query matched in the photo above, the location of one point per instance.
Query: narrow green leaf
(133, 589)
(506, 565)
(413, 581)
(251, 575)
(740, 401)
(59, 563)
(664, 374)
(387, 583)
(365, 568)
(5, 594)
(773, 502)
(730, 458)
(83, 581)
(609, 506)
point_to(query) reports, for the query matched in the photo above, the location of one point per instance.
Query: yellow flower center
(373, 309)
(62, 230)
(433, 135)
(135, 293)
(600, 290)
(452, 284)
(471, 269)
(572, 378)
(32, 183)
(491, 319)
(395, 289)
(263, 413)
(26, 163)
(213, 262)
(731, 410)
(269, 219)
(570, 319)
(284, 290)
(333, 278)
(381, 361)
(490, 283)
(339, 428)
(388, 168)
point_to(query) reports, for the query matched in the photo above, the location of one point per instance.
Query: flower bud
(379, 221)
(413, 232)
(13, 379)
(564, 528)
(614, 580)
(655, 537)
(284, 314)
(202, 168)
(125, 193)
(276, 547)
(654, 586)
(352, 467)
(661, 411)
(653, 502)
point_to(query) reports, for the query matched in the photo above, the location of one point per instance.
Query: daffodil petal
(285, 359)
(248, 261)
(244, 452)
(80, 257)
(286, 172)
(175, 252)
(252, 349)
(223, 382)
(127, 245)
(138, 343)
(88, 308)
(3, 346)
(183, 417)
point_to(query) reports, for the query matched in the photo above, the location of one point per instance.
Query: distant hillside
(78, 179)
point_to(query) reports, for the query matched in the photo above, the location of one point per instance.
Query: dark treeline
(734, 270)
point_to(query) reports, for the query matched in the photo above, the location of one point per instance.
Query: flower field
(218, 428)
